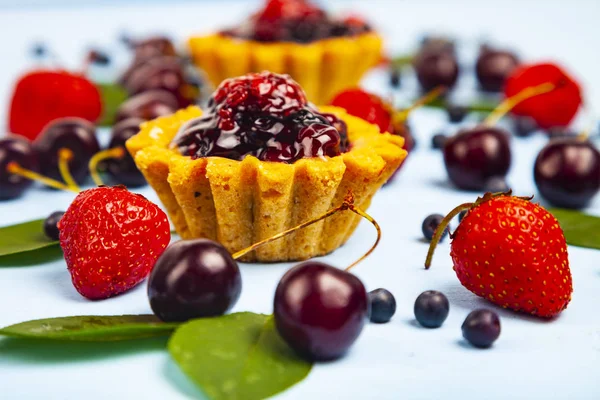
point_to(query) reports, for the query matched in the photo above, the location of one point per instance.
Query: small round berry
(481, 328)
(50, 225)
(18, 150)
(430, 224)
(395, 78)
(456, 113)
(383, 305)
(461, 215)
(524, 126)
(431, 309)
(496, 184)
(320, 310)
(123, 170)
(193, 279)
(438, 140)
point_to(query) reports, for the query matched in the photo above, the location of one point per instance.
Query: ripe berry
(481, 328)
(75, 134)
(194, 279)
(383, 305)
(431, 309)
(438, 141)
(555, 108)
(567, 172)
(111, 239)
(493, 67)
(51, 225)
(475, 155)
(524, 126)
(147, 105)
(435, 68)
(513, 253)
(320, 310)
(430, 224)
(123, 170)
(15, 149)
(367, 106)
(43, 96)
(456, 113)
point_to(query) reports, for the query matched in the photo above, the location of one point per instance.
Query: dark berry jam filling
(295, 21)
(262, 115)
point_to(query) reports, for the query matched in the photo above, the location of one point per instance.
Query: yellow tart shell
(238, 203)
(323, 68)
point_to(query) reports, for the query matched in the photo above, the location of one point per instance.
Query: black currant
(431, 309)
(481, 328)
(383, 305)
(50, 225)
(430, 224)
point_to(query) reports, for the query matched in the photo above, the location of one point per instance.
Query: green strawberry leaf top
(580, 229)
(91, 328)
(237, 357)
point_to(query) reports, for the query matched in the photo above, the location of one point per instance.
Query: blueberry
(383, 305)
(496, 184)
(456, 113)
(461, 215)
(481, 328)
(50, 225)
(431, 309)
(438, 140)
(395, 78)
(524, 126)
(430, 224)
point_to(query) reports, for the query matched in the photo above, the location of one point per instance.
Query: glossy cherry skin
(475, 155)
(493, 67)
(148, 105)
(435, 68)
(567, 172)
(75, 134)
(320, 310)
(15, 149)
(123, 170)
(193, 279)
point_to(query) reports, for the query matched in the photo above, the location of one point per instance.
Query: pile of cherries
(319, 310)
(265, 115)
(295, 21)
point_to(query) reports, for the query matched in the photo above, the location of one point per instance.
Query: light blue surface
(532, 359)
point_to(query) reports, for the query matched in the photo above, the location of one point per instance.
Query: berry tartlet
(323, 54)
(259, 160)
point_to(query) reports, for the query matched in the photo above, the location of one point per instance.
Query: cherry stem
(348, 204)
(439, 231)
(115, 152)
(16, 169)
(436, 92)
(64, 156)
(509, 103)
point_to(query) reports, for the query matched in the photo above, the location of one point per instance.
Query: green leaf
(237, 357)
(580, 229)
(33, 257)
(91, 328)
(482, 106)
(24, 237)
(113, 95)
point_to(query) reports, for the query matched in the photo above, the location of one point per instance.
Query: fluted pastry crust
(239, 203)
(323, 68)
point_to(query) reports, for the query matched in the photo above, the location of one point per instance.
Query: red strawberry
(367, 106)
(43, 96)
(513, 253)
(553, 109)
(111, 239)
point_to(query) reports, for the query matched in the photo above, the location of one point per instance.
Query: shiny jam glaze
(295, 21)
(264, 115)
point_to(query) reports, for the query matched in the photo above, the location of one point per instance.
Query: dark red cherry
(493, 67)
(123, 170)
(320, 310)
(160, 73)
(475, 155)
(148, 105)
(15, 149)
(75, 134)
(435, 68)
(194, 279)
(567, 172)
